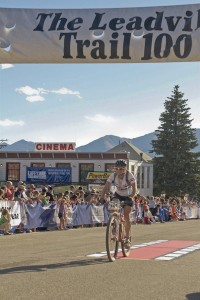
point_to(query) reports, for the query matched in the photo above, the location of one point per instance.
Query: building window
(133, 169)
(148, 177)
(37, 165)
(63, 165)
(142, 178)
(83, 171)
(109, 167)
(13, 171)
(138, 177)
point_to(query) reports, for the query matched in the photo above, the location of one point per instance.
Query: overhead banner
(48, 175)
(115, 35)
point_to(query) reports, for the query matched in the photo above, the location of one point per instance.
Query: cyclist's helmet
(120, 163)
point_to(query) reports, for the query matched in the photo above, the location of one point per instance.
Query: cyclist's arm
(133, 185)
(105, 189)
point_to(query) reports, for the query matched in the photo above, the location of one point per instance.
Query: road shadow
(193, 296)
(46, 267)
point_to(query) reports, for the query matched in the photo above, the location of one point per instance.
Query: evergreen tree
(176, 167)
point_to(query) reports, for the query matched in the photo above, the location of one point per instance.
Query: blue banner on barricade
(82, 215)
(40, 215)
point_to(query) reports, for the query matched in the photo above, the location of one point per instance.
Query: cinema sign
(55, 147)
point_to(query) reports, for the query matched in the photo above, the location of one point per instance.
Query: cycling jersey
(122, 186)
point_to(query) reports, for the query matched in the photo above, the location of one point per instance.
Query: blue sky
(83, 102)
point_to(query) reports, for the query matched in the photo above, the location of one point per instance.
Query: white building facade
(14, 166)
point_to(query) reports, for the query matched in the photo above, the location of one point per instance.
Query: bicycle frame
(115, 231)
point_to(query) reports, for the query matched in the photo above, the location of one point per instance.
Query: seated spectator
(5, 222)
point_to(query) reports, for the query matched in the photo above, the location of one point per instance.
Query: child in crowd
(62, 214)
(147, 216)
(174, 211)
(5, 221)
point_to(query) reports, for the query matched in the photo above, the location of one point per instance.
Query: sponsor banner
(112, 35)
(98, 178)
(55, 147)
(48, 175)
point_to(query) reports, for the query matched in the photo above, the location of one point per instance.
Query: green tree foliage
(176, 166)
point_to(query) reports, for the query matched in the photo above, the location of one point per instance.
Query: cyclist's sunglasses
(121, 169)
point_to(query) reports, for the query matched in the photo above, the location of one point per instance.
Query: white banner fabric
(115, 35)
(14, 211)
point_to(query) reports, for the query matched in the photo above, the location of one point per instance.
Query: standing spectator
(43, 196)
(62, 214)
(152, 205)
(20, 194)
(30, 190)
(9, 191)
(174, 211)
(50, 194)
(160, 213)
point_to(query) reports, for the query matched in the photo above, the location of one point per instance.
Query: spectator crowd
(146, 210)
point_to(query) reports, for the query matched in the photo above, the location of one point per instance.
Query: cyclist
(125, 189)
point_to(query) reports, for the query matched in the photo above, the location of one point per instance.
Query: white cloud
(6, 66)
(7, 123)
(100, 118)
(27, 90)
(35, 94)
(35, 98)
(65, 91)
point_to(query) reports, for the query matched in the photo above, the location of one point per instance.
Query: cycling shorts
(127, 200)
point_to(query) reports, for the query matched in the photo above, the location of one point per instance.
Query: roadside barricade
(37, 215)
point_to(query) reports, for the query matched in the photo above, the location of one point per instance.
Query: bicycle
(115, 231)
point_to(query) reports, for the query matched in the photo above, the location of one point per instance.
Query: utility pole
(3, 143)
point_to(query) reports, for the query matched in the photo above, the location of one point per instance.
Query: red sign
(55, 147)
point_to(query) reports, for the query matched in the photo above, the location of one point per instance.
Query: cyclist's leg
(127, 211)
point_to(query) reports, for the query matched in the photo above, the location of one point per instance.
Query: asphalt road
(55, 265)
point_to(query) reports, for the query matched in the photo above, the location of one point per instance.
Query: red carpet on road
(157, 250)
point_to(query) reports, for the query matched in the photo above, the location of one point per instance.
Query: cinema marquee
(55, 147)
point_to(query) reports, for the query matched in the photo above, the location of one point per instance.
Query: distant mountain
(102, 144)
(21, 145)
(107, 142)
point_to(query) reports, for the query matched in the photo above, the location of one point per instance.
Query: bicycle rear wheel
(126, 248)
(112, 238)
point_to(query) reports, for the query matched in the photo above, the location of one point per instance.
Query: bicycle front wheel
(126, 247)
(112, 238)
